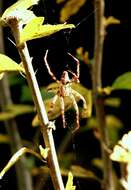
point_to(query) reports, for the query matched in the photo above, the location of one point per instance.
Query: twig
(46, 127)
(24, 180)
(98, 99)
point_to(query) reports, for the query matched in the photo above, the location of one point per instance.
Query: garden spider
(65, 90)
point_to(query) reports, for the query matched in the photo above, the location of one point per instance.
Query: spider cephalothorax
(65, 90)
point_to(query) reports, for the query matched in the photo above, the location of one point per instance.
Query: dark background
(116, 61)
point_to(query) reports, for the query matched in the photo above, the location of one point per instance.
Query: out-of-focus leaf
(79, 171)
(4, 139)
(8, 65)
(6, 116)
(97, 162)
(70, 8)
(1, 75)
(20, 109)
(59, 1)
(113, 102)
(82, 55)
(69, 184)
(34, 29)
(122, 151)
(84, 113)
(66, 159)
(15, 110)
(110, 20)
(16, 157)
(113, 126)
(123, 82)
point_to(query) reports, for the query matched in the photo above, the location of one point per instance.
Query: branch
(46, 125)
(98, 99)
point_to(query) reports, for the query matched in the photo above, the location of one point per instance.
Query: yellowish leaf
(44, 152)
(34, 29)
(69, 184)
(4, 138)
(16, 157)
(19, 5)
(8, 65)
(122, 151)
(70, 8)
(1, 75)
(110, 20)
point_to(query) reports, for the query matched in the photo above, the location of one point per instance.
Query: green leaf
(34, 29)
(8, 65)
(123, 82)
(69, 184)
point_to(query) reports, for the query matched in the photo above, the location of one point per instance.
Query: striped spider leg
(65, 90)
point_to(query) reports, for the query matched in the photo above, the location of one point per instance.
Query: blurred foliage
(70, 8)
(122, 82)
(15, 110)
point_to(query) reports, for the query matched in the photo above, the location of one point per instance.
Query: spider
(65, 90)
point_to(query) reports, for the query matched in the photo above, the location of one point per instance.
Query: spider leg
(77, 94)
(63, 110)
(53, 104)
(48, 68)
(77, 112)
(78, 65)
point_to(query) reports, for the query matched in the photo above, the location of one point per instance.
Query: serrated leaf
(19, 5)
(123, 82)
(8, 65)
(69, 184)
(70, 8)
(34, 29)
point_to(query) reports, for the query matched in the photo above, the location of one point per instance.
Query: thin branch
(46, 125)
(24, 180)
(98, 99)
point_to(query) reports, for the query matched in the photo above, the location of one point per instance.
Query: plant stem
(41, 111)
(46, 131)
(24, 180)
(98, 99)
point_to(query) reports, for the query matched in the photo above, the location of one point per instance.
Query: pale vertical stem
(40, 107)
(24, 179)
(98, 99)
(46, 131)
